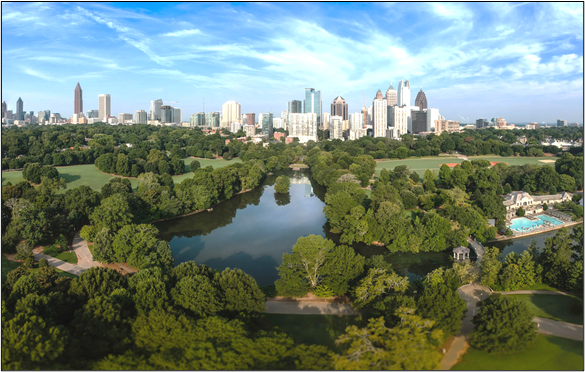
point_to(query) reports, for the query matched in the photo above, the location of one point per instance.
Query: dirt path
(522, 291)
(59, 264)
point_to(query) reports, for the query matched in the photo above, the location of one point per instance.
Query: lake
(252, 230)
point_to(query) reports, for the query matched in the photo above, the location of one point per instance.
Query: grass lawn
(556, 307)
(70, 257)
(420, 165)
(410, 213)
(89, 175)
(310, 329)
(548, 353)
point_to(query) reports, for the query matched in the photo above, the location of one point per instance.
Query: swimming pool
(523, 224)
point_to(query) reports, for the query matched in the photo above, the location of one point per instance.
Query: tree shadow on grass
(69, 177)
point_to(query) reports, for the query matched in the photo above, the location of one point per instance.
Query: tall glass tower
(313, 103)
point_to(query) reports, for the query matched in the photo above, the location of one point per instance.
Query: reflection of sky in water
(258, 235)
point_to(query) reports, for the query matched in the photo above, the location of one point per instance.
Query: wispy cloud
(182, 33)
(38, 74)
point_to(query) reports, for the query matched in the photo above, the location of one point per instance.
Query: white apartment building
(249, 129)
(336, 128)
(403, 93)
(432, 115)
(125, 118)
(235, 127)
(399, 121)
(279, 123)
(155, 109)
(231, 111)
(141, 117)
(303, 126)
(326, 120)
(379, 115)
(356, 121)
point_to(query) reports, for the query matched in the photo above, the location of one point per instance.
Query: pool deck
(566, 224)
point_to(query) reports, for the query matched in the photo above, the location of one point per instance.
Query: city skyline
(523, 62)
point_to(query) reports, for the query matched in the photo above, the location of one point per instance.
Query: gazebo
(461, 253)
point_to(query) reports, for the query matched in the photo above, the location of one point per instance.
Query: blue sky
(520, 61)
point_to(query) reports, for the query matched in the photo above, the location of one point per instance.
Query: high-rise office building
(391, 97)
(166, 114)
(93, 114)
(155, 109)
(419, 121)
(141, 117)
(313, 103)
(251, 119)
(399, 121)
(421, 100)
(212, 119)
(268, 124)
(294, 107)
(19, 109)
(78, 106)
(177, 115)
(380, 115)
(303, 126)
(104, 105)
(481, 123)
(125, 118)
(560, 123)
(336, 125)
(279, 123)
(403, 93)
(339, 108)
(197, 120)
(231, 111)
(4, 108)
(432, 115)
(326, 120)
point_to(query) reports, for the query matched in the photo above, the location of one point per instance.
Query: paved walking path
(473, 293)
(308, 308)
(84, 258)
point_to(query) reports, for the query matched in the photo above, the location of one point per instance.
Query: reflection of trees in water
(263, 268)
(282, 199)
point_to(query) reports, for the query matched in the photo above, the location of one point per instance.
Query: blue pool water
(524, 224)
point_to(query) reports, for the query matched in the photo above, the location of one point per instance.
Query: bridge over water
(477, 247)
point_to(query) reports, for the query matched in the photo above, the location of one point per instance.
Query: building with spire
(339, 107)
(78, 106)
(421, 100)
(391, 98)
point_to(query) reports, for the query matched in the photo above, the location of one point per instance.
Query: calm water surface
(251, 231)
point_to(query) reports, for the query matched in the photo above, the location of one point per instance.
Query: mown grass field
(563, 308)
(548, 353)
(89, 175)
(310, 329)
(420, 165)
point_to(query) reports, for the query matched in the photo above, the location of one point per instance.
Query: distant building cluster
(390, 115)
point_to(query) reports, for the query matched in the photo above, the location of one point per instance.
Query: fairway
(548, 353)
(89, 175)
(563, 308)
(421, 165)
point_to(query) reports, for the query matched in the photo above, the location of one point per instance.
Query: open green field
(89, 175)
(310, 329)
(70, 257)
(548, 353)
(420, 165)
(563, 308)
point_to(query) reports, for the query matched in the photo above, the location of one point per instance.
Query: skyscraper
(155, 109)
(104, 106)
(380, 115)
(391, 99)
(268, 124)
(294, 107)
(399, 121)
(19, 110)
(93, 114)
(251, 119)
(141, 117)
(313, 103)
(231, 111)
(336, 124)
(421, 100)
(303, 126)
(78, 109)
(339, 108)
(419, 121)
(403, 93)
(177, 115)
(197, 120)
(4, 108)
(212, 119)
(166, 114)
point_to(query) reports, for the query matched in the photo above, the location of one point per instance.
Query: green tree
(442, 304)
(377, 283)
(197, 294)
(282, 184)
(240, 292)
(113, 213)
(503, 325)
(490, 266)
(194, 165)
(341, 267)
(97, 281)
(409, 345)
